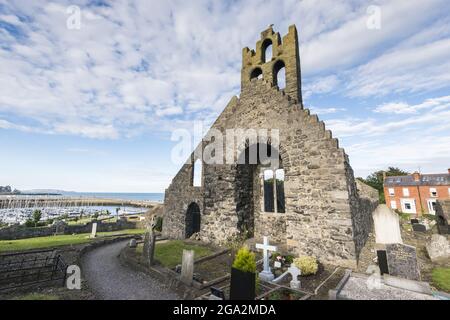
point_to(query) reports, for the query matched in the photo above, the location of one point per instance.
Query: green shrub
(159, 223)
(307, 265)
(29, 223)
(245, 260)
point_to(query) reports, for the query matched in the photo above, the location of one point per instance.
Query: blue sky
(92, 109)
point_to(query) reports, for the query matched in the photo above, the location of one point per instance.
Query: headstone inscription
(187, 266)
(266, 274)
(402, 261)
(94, 230)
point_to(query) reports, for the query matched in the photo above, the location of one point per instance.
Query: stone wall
(442, 215)
(21, 232)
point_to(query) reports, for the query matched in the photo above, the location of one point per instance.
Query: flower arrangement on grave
(284, 260)
(308, 265)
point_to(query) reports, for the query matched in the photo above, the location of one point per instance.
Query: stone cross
(187, 266)
(149, 246)
(295, 272)
(266, 274)
(94, 230)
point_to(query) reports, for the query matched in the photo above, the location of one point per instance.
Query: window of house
(393, 204)
(408, 206)
(391, 192)
(405, 192)
(449, 191)
(433, 192)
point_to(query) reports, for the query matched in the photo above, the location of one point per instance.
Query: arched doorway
(192, 219)
(254, 189)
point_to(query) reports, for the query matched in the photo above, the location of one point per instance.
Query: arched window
(197, 174)
(279, 74)
(279, 177)
(266, 50)
(193, 219)
(268, 191)
(256, 73)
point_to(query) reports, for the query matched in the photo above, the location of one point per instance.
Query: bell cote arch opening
(256, 73)
(279, 74)
(266, 51)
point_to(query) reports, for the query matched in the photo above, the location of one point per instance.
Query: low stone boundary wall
(21, 232)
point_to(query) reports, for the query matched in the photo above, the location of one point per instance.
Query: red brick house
(416, 193)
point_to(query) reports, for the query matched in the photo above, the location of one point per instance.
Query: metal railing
(36, 267)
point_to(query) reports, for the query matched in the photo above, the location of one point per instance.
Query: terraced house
(417, 193)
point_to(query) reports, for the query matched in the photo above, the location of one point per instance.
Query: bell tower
(285, 53)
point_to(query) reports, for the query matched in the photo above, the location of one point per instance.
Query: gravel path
(112, 281)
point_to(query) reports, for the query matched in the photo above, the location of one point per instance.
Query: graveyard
(265, 204)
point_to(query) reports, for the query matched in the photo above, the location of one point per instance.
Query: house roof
(440, 179)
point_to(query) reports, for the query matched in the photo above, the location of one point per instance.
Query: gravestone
(295, 272)
(387, 225)
(216, 294)
(242, 285)
(132, 243)
(442, 213)
(94, 230)
(439, 249)
(187, 266)
(382, 261)
(266, 274)
(149, 247)
(60, 227)
(417, 227)
(402, 261)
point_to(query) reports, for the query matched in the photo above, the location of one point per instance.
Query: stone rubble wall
(21, 232)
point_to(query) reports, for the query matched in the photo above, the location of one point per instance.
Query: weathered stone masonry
(326, 214)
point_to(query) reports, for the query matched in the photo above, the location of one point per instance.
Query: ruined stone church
(310, 204)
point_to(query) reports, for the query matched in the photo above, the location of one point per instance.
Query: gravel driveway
(112, 281)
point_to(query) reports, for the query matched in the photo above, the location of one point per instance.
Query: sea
(157, 197)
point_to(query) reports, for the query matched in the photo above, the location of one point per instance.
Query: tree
(375, 179)
(37, 214)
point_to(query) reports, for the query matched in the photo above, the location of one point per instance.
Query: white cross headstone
(266, 274)
(295, 272)
(94, 230)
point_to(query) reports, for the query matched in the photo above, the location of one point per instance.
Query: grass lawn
(37, 296)
(59, 240)
(169, 253)
(441, 278)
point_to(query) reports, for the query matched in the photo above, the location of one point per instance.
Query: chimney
(448, 170)
(416, 176)
(384, 175)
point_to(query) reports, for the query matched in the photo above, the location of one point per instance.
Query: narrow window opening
(279, 74)
(279, 174)
(197, 174)
(268, 191)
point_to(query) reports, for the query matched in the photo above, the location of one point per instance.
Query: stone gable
(325, 216)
